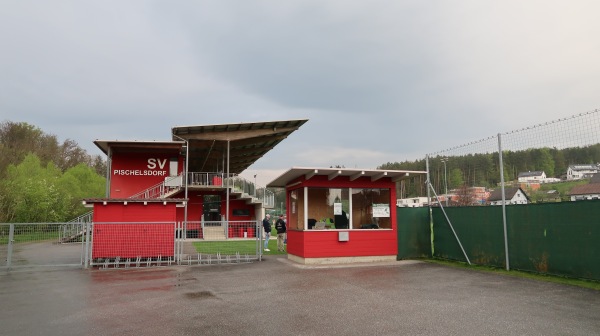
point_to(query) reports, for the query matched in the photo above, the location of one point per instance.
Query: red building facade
(341, 215)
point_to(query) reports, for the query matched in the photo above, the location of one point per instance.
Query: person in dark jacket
(281, 232)
(267, 229)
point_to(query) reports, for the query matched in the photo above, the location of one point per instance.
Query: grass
(28, 237)
(590, 284)
(233, 246)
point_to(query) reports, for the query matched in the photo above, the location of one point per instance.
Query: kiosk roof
(353, 173)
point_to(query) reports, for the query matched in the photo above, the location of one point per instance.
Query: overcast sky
(379, 81)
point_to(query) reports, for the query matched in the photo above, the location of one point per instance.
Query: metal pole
(11, 240)
(503, 201)
(86, 254)
(185, 179)
(228, 183)
(444, 160)
(451, 227)
(429, 203)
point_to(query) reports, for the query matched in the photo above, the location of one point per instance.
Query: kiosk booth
(341, 215)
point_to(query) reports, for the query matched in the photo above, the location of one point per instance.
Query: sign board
(337, 208)
(381, 210)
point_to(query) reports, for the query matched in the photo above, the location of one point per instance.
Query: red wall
(132, 230)
(134, 172)
(325, 244)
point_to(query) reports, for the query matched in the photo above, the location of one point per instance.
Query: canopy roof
(208, 144)
(248, 142)
(353, 173)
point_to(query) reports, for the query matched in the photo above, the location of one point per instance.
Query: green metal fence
(552, 238)
(414, 233)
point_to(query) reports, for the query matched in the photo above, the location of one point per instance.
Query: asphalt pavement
(279, 297)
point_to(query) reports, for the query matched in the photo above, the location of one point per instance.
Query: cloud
(379, 81)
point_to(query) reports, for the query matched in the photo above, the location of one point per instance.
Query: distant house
(413, 202)
(551, 196)
(581, 171)
(513, 196)
(469, 196)
(588, 191)
(532, 176)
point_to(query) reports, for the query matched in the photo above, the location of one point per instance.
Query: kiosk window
(371, 209)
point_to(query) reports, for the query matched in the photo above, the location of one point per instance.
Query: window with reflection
(371, 209)
(339, 208)
(296, 213)
(328, 208)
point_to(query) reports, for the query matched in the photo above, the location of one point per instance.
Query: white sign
(337, 209)
(381, 210)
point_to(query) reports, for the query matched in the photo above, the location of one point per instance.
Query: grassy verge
(231, 247)
(595, 285)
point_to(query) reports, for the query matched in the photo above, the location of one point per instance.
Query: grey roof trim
(352, 173)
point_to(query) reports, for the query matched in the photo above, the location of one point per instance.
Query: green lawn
(233, 246)
(30, 237)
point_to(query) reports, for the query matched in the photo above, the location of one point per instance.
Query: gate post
(11, 240)
(86, 260)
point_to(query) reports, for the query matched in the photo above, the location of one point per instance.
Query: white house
(413, 202)
(581, 171)
(532, 176)
(588, 191)
(513, 196)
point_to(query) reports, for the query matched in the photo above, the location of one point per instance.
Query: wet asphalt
(278, 297)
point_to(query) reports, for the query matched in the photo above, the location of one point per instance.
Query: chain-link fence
(543, 165)
(546, 161)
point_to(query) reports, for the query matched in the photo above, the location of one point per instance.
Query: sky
(379, 81)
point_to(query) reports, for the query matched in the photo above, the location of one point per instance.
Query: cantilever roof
(331, 173)
(208, 144)
(248, 142)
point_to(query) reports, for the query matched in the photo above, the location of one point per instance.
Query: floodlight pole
(444, 160)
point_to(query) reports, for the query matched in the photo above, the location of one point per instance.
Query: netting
(539, 159)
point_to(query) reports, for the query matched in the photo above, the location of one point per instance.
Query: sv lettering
(153, 162)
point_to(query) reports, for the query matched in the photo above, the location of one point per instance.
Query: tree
(18, 139)
(31, 193)
(464, 196)
(455, 178)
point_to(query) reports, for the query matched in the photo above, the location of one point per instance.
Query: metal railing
(163, 189)
(248, 189)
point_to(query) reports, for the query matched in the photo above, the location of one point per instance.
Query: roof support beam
(310, 175)
(400, 178)
(378, 176)
(357, 175)
(334, 175)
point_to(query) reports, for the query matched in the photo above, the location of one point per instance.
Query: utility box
(343, 236)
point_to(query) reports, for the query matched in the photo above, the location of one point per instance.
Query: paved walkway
(276, 297)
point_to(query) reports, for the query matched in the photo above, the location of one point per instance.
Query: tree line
(483, 170)
(42, 179)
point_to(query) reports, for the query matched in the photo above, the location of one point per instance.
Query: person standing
(281, 231)
(267, 229)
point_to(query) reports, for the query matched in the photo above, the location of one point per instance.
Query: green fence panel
(414, 234)
(479, 229)
(556, 238)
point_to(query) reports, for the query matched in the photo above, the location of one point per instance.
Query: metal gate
(26, 245)
(138, 244)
